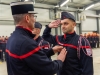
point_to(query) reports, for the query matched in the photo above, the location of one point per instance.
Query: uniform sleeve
(49, 52)
(47, 49)
(47, 35)
(86, 59)
(39, 62)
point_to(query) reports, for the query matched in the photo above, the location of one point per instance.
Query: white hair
(17, 18)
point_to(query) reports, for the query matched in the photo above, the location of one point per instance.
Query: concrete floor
(96, 57)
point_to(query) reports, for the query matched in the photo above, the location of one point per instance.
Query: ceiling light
(89, 7)
(26, 0)
(66, 1)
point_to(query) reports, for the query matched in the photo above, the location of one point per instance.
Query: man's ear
(27, 18)
(38, 31)
(74, 24)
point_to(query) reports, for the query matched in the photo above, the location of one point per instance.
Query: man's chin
(33, 33)
(64, 32)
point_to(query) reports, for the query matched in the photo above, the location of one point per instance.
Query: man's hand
(57, 48)
(62, 55)
(54, 24)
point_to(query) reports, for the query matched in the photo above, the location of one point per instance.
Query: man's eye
(65, 23)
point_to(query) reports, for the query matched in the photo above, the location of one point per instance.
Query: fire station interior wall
(7, 1)
(89, 12)
(90, 23)
(43, 15)
(77, 29)
(59, 30)
(6, 30)
(43, 28)
(6, 20)
(5, 13)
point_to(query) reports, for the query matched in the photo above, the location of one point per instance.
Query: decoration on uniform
(89, 51)
(46, 47)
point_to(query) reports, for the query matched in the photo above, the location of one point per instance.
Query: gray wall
(7, 26)
(6, 21)
(90, 23)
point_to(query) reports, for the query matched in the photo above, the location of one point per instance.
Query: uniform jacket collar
(69, 35)
(25, 31)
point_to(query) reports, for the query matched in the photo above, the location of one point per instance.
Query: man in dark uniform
(79, 58)
(40, 40)
(0, 47)
(97, 40)
(24, 56)
(3, 47)
(88, 37)
(85, 35)
(93, 40)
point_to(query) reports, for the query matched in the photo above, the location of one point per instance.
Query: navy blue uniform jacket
(25, 57)
(45, 46)
(76, 62)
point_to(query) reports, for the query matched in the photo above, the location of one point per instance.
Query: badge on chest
(89, 51)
